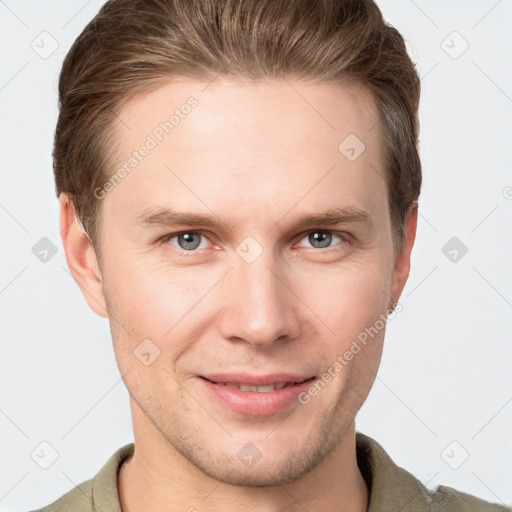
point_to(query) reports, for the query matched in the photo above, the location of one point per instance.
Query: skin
(256, 156)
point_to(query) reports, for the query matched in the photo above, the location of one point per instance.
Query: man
(238, 185)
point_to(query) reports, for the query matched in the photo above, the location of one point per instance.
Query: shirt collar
(105, 491)
(390, 486)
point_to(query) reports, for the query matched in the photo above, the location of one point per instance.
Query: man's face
(260, 293)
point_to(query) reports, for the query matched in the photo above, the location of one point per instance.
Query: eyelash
(344, 236)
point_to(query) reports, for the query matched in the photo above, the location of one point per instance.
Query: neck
(158, 478)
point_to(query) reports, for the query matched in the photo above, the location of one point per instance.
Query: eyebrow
(166, 217)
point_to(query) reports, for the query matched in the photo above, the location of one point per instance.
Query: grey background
(444, 389)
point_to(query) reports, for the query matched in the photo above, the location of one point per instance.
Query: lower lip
(254, 403)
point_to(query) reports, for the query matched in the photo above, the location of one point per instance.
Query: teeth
(260, 389)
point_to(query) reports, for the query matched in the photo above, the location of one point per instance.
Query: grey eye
(322, 238)
(186, 240)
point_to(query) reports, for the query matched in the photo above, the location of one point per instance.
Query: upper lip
(257, 380)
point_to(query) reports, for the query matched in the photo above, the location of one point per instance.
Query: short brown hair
(133, 45)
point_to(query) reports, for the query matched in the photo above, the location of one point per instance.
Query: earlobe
(402, 264)
(80, 257)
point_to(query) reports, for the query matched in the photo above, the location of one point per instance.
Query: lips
(256, 395)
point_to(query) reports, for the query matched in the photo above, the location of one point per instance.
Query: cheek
(347, 299)
(155, 301)
(352, 306)
(153, 293)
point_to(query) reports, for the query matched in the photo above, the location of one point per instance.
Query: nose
(261, 307)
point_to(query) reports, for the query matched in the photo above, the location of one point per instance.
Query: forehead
(268, 140)
(225, 108)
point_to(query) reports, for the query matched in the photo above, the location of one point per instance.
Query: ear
(402, 263)
(80, 257)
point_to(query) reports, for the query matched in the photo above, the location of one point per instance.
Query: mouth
(263, 388)
(256, 395)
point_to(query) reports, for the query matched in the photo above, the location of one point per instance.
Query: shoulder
(78, 499)
(447, 499)
(392, 488)
(97, 494)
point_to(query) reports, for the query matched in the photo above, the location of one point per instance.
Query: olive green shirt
(391, 488)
